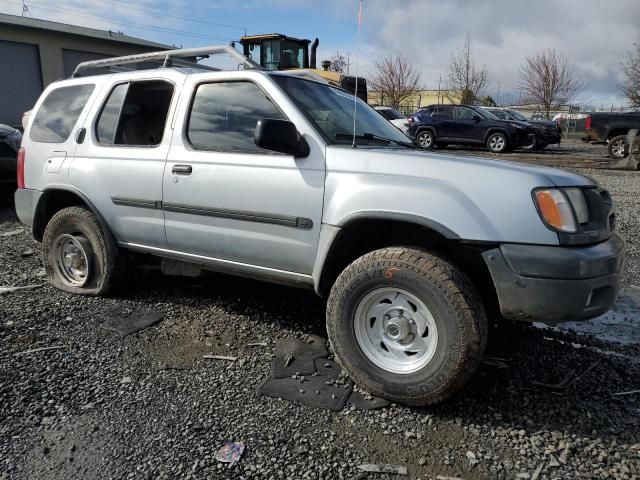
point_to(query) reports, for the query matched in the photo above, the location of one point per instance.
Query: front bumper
(521, 137)
(556, 284)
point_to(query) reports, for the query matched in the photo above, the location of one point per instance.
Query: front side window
(59, 113)
(135, 114)
(463, 113)
(331, 110)
(223, 116)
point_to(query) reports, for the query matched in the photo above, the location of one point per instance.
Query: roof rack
(182, 57)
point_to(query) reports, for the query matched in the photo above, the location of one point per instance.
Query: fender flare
(404, 217)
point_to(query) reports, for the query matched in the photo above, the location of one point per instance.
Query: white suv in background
(395, 117)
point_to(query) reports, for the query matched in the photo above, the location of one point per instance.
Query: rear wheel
(406, 325)
(426, 139)
(497, 142)
(616, 147)
(79, 256)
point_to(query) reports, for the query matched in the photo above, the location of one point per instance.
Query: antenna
(355, 95)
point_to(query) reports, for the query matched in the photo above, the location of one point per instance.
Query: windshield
(331, 110)
(517, 115)
(501, 114)
(486, 114)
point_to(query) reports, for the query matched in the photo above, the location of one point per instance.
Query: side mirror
(280, 136)
(477, 118)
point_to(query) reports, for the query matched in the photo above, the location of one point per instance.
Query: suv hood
(449, 168)
(6, 130)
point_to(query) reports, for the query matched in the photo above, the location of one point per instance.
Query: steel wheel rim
(72, 259)
(618, 148)
(425, 139)
(395, 330)
(496, 142)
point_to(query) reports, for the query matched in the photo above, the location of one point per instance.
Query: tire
(456, 332)
(497, 142)
(616, 145)
(425, 139)
(79, 256)
(542, 146)
(534, 145)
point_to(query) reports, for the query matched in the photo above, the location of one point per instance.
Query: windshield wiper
(376, 138)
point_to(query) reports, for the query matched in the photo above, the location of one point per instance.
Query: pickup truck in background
(612, 129)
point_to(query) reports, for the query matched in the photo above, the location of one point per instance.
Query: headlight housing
(562, 209)
(517, 125)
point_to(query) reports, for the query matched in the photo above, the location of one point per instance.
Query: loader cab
(275, 51)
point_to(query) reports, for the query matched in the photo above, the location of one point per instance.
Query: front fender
(460, 197)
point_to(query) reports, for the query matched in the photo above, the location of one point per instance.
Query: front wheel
(79, 256)
(533, 143)
(406, 325)
(497, 142)
(616, 147)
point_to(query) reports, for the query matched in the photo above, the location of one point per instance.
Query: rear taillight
(20, 167)
(587, 123)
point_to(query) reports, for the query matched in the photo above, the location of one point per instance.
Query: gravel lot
(149, 406)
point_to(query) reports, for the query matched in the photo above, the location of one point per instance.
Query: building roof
(75, 30)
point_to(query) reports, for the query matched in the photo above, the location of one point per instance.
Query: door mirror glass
(477, 117)
(280, 136)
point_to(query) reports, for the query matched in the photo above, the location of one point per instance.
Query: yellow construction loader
(275, 51)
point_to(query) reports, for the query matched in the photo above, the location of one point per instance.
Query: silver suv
(261, 174)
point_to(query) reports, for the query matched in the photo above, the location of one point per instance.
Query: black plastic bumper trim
(571, 290)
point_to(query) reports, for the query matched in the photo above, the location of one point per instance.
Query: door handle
(182, 169)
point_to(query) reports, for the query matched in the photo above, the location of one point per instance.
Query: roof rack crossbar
(169, 57)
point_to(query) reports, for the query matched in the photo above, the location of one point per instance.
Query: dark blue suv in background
(440, 125)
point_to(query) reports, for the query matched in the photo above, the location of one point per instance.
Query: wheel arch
(56, 198)
(362, 233)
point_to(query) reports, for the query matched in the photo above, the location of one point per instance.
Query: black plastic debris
(126, 322)
(302, 372)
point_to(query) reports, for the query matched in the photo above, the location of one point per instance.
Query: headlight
(579, 203)
(516, 125)
(555, 209)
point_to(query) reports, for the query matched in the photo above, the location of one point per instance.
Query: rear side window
(135, 114)
(444, 112)
(223, 116)
(59, 113)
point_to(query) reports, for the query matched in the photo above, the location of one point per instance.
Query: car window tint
(444, 112)
(463, 113)
(59, 113)
(107, 124)
(135, 114)
(223, 116)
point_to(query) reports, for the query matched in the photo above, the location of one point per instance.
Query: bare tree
(631, 69)
(396, 79)
(548, 80)
(467, 83)
(339, 63)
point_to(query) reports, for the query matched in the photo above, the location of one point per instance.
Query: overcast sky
(593, 34)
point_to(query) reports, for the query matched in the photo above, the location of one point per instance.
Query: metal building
(34, 53)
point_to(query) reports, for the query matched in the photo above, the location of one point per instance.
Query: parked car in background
(546, 132)
(441, 125)
(612, 129)
(10, 139)
(400, 121)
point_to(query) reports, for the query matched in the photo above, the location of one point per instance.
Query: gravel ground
(149, 406)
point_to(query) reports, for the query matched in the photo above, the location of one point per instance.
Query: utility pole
(439, 82)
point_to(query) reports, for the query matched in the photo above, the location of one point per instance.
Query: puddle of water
(619, 325)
